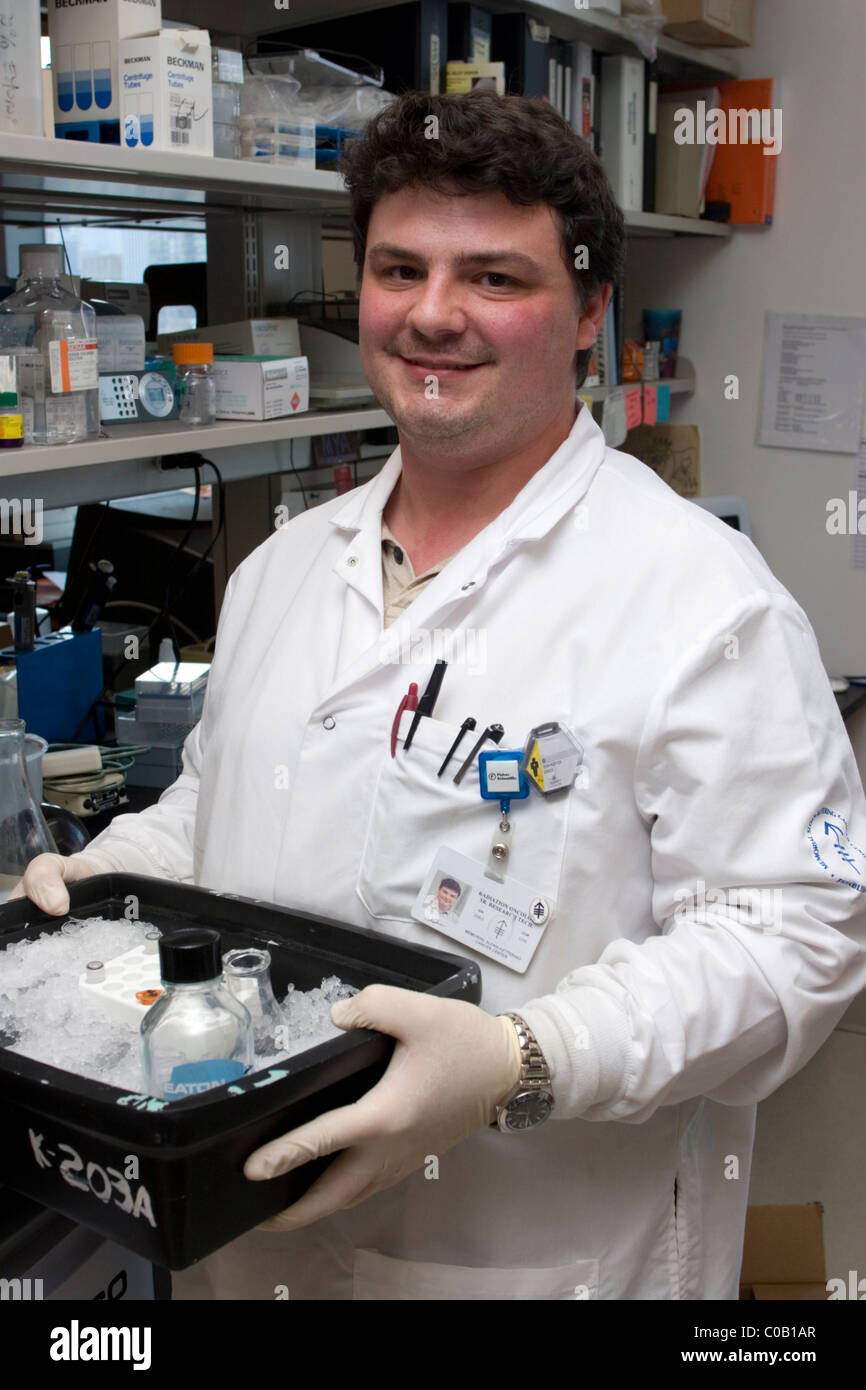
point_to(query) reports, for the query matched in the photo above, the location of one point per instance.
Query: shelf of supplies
(606, 32)
(158, 438)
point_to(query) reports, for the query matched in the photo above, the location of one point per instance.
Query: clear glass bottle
(23, 831)
(195, 384)
(247, 974)
(52, 333)
(197, 1035)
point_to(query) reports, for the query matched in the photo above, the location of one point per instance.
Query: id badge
(502, 919)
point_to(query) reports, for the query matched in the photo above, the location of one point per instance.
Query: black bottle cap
(189, 955)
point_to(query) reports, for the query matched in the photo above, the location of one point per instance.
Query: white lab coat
(601, 599)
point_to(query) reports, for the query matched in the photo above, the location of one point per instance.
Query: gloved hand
(452, 1065)
(46, 876)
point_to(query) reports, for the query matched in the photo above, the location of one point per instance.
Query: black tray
(67, 1141)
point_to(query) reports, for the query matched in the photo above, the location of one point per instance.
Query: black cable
(222, 510)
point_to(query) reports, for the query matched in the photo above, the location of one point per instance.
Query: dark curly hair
(517, 145)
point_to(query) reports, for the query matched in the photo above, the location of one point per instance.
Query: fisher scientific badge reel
(480, 905)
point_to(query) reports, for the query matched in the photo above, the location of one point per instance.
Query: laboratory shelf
(683, 384)
(159, 438)
(606, 32)
(661, 224)
(156, 180)
(44, 177)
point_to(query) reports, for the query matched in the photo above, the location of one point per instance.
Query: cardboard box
(132, 298)
(783, 1254)
(84, 59)
(120, 340)
(251, 337)
(709, 23)
(261, 388)
(166, 82)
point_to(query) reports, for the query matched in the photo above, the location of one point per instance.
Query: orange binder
(742, 174)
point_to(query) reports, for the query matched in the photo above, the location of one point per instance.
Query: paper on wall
(814, 381)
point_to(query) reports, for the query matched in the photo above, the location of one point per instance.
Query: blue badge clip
(501, 778)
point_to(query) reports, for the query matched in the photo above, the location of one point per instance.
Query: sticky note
(650, 405)
(633, 408)
(664, 404)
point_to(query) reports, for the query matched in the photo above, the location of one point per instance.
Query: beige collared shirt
(400, 584)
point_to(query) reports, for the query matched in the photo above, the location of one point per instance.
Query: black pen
(467, 724)
(427, 701)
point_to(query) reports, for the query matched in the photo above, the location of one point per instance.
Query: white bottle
(53, 335)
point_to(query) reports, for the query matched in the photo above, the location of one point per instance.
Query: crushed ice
(45, 1016)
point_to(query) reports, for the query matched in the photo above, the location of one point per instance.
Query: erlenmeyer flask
(23, 832)
(247, 973)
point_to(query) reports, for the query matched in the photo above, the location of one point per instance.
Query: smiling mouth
(443, 366)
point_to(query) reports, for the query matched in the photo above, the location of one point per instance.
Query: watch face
(528, 1109)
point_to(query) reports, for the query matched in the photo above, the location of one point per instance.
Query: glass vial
(195, 384)
(197, 1036)
(247, 974)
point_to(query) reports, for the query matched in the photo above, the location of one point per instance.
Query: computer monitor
(733, 510)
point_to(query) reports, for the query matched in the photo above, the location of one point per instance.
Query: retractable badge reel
(500, 779)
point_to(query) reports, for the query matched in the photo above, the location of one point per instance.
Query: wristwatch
(531, 1101)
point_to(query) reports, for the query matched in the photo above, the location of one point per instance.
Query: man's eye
(495, 274)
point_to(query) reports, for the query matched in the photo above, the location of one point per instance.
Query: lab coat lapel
(549, 494)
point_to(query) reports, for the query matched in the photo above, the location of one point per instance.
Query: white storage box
(261, 388)
(166, 92)
(85, 43)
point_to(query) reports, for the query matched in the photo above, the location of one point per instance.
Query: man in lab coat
(654, 1007)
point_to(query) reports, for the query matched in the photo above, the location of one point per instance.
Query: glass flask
(247, 974)
(23, 832)
(197, 1035)
(52, 335)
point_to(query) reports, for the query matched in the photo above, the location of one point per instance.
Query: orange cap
(185, 353)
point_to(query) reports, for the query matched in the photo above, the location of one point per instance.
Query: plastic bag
(645, 34)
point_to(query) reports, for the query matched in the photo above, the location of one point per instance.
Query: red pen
(409, 701)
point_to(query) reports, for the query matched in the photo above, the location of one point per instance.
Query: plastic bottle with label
(197, 1035)
(52, 333)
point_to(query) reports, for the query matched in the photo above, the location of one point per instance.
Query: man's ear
(592, 317)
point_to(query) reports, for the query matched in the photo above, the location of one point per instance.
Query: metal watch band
(534, 1071)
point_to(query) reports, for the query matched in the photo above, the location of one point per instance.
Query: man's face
(515, 316)
(446, 898)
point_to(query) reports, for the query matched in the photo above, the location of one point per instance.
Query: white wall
(812, 1133)
(810, 261)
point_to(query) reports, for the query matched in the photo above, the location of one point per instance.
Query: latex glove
(452, 1065)
(46, 876)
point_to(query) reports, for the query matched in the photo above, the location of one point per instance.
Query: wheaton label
(191, 1078)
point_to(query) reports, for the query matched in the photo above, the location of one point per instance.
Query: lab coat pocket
(414, 813)
(378, 1277)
